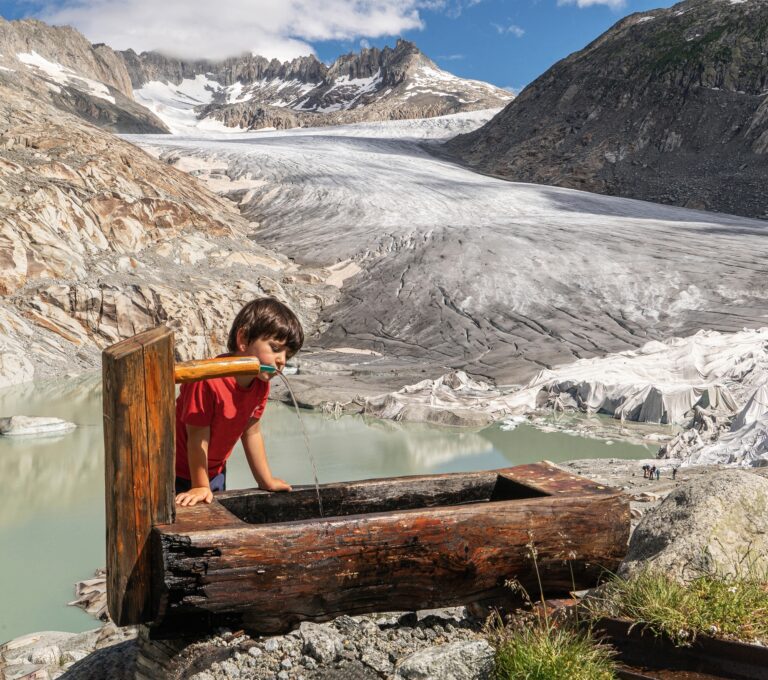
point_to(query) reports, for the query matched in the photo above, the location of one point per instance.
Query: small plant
(536, 646)
(733, 607)
(541, 652)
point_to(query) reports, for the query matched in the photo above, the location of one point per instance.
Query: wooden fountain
(266, 562)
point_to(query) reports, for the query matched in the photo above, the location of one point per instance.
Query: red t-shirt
(225, 407)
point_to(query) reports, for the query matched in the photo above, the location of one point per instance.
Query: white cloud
(452, 8)
(512, 29)
(200, 28)
(450, 57)
(613, 4)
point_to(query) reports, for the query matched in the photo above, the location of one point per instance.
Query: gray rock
(471, 660)
(286, 664)
(255, 652)
(347, 625)
(272, 645)
(34, 426)
(368, 627)
(283, 675)
(708, 524)
(308, 662)
(321, 642)
(377, 660)
(230, 669)
(73, 655)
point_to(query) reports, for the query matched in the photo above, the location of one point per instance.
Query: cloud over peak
(613, 4)
(283, 29)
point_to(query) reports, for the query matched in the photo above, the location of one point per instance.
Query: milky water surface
(52, 507)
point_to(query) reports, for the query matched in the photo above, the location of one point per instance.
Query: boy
(211, 415)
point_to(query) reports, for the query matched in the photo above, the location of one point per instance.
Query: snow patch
(64, 75)
(176, 105)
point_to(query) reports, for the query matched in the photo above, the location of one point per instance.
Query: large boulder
(469, 660)
(717, 523)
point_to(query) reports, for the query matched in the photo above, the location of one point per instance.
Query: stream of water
(306, 442)
(52, 531)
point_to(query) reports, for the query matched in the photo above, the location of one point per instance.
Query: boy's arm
(256, 454)
(197, 456)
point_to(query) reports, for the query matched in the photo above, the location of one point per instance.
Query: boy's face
(269, 352)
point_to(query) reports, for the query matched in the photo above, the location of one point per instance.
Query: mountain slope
(668, 106)
(98, 240)
(58, 65)
(252, 92)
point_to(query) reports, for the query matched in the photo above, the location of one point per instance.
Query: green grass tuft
(723, 606)
(541, 652)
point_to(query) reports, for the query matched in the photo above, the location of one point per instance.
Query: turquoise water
(52, 506)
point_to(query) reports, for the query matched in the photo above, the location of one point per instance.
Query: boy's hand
(275, 484)
(198, 494)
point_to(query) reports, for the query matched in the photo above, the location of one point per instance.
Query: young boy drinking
(211, 415)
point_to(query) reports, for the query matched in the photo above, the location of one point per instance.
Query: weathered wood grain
(411, 548)
(138, 405)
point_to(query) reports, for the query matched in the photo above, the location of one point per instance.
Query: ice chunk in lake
(34, 426)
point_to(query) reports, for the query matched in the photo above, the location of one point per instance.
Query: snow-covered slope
(464, 270)
(253, 93)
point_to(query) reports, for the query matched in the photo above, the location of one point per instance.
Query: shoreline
(110, 647)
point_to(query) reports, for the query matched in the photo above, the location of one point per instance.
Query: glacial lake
(52, 509)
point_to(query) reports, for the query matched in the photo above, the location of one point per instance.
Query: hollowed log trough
(266, 561)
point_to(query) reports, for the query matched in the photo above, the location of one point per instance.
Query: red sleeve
(259, 410)
(197, 404)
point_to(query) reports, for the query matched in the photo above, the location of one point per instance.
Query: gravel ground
(399, 646)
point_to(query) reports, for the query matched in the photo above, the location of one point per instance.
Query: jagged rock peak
(246, 68)
(252, 92)
(668, 106)
(249, 68)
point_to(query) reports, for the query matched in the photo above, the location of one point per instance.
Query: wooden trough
(267, 561)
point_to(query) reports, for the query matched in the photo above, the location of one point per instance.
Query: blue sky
(483, 41)
(506, 42)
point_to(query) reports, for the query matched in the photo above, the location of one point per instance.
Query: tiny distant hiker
(658, 474)
(646, 467)
(652, 471)
(674, 472)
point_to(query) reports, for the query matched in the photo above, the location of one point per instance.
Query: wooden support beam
(139, 443)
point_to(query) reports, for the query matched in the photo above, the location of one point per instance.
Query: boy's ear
(240, 336)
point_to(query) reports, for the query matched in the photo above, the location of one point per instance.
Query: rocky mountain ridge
(669, 106)
(252, 92)
(56, 64)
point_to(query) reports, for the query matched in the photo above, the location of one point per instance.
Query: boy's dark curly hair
(267, 318)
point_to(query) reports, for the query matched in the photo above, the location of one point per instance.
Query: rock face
(98, 241)
(717, 523)
(471, 660)
(58, 65)
(251, 92)
(668, 106)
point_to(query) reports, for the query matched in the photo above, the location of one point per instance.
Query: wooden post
(139, 443)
